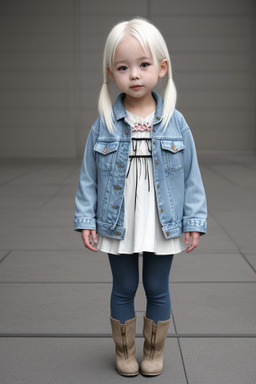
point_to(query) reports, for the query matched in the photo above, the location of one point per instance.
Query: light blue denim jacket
(180, 194)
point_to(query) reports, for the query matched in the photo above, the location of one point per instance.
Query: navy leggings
(155, 274)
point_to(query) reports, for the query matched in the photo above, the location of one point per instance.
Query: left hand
(195, 236)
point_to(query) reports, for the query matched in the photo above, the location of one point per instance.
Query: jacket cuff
(84, 223)
(195, 225)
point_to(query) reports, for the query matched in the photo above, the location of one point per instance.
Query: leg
(123, 318)
(125, 271)
(156, 271)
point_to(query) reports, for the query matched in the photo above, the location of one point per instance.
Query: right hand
(89, 238)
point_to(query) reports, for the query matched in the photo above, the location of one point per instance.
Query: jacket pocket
(106, 155)
(172, 154)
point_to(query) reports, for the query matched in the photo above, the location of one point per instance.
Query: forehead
(131, 47)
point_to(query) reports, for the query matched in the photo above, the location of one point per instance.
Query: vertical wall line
(148, 9)
(254, 65)
(76, 74)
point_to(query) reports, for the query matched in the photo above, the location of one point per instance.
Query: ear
(163, 68)
(110, 73)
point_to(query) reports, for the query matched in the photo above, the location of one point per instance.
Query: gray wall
(50, 70)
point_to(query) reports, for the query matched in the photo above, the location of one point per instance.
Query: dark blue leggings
(125, 271)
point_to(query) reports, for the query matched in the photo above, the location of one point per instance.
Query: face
(134, 70)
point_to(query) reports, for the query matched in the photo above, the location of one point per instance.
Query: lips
(136, 86)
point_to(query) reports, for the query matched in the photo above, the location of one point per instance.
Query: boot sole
(127, 374)
(151, 374)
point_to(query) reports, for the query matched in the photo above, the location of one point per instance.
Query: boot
(155, 335)
(124, 338)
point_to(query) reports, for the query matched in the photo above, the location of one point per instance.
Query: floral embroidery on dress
(141, 127)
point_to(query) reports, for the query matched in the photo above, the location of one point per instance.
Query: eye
(144, 65)
(122, 68)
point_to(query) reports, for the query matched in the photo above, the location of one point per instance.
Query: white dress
(143, 228)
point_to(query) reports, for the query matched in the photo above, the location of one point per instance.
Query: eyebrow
(139, 59)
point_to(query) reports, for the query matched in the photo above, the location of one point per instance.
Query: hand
(195, 240)
(89, 238)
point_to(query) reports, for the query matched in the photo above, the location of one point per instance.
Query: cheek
(120, 80)
(153, 80)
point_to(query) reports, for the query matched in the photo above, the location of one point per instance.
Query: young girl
(140, 188)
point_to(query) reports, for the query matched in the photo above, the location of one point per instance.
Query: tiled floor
(54, 325)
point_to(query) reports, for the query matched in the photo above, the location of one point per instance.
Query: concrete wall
(50, 70)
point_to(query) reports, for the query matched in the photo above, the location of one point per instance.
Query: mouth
(136, 87)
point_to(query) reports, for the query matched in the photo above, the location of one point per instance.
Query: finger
(91, 247)
(86, 240)
(91, 241)
(85, 236)
(194, 244)
(191, 248)
(94, 237)
(187, 238)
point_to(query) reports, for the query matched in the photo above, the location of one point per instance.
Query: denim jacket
(180, 194)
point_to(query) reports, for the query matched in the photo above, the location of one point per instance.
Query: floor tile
(219, 308)
(211, 267)
(216, 240)
(42, 238)
(50, 308)
(221, 360)
(37, 217)
(55, 266)
(9, 172)
(60, 308)
(239, 224)
(231, 171)
(252, 259)
(76, 361)
(2, 256)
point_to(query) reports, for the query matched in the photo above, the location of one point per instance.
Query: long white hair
(150, 38)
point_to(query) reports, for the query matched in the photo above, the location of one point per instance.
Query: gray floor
(55, 295)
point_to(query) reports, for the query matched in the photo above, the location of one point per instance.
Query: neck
(142, 106)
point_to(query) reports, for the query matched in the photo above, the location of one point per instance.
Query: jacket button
(120, 165)
(154, 142)
(158, 117)
(117, 187)
(161, 210)
(117, 233)
(167, 233)
(174, 148)
(126, 131)
(106, 149)
(156, 162)
(114, 206)
(158, 186)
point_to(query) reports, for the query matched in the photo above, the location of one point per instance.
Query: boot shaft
(155, 336)
(124, 338)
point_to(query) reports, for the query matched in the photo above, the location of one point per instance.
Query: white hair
(150, 38)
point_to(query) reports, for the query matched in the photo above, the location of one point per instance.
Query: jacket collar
(120, 112)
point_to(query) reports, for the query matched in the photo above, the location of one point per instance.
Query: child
(140, 188)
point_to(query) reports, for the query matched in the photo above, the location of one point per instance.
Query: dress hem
(156, 253)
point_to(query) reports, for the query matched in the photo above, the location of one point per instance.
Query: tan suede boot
(155, 335)
(124, 338)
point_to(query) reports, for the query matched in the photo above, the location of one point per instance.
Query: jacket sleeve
(195, 207)
(86, 194)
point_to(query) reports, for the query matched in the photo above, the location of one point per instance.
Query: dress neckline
(135, 117)
(140, 124)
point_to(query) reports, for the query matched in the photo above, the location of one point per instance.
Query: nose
(134, 76)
